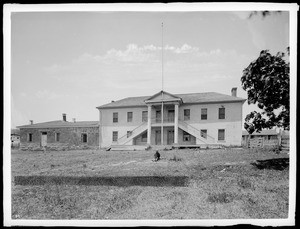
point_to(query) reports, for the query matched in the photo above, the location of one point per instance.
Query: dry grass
(222, 184)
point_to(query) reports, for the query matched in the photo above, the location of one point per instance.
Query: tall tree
(266, 81)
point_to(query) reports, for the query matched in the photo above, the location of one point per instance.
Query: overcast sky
(72, 62)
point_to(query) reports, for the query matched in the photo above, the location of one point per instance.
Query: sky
(72, 62)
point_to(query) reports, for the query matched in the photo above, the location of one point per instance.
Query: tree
(266, 81)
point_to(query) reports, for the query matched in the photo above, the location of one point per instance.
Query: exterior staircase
(195, 132)
(121, 142)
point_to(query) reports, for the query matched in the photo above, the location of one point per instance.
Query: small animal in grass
(156, 156)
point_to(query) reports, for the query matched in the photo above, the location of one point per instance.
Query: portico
(163, 111)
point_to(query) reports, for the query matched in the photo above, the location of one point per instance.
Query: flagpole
(162, 83)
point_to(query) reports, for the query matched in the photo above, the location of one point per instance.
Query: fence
(260, 142)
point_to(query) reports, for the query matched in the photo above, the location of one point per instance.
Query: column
(176, 124)
(149, 125)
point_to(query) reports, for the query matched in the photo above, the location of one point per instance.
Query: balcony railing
(166, 120)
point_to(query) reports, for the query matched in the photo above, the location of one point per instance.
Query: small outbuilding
(60, 135)
(264, 138)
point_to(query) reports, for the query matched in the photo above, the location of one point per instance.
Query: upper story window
(221, 134)
(30, 137)
(144, 116)
(222, 113)
(186, 114)
(115, 136)
(57, 137)
(129, 116)
(84, 137)
(203, 133)
(115, 117)
(203, 113)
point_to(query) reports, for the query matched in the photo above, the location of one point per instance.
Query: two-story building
(172, 119)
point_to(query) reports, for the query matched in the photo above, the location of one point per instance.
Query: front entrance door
(157, 137)
(44, 139)
(170, 137)
(171, 115)
(158, 116)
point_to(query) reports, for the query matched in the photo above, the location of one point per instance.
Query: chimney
(74, 119)
(64, 117)
(31, 122)
(233, 91)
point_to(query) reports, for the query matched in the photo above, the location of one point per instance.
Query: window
(203, 133)
(30, 137)
(57, 136)
(144, 137)
(221, 135)
(129, 133)
(115, 136)
(186, 114)
(84, 137)
(144, 116)
(203, 113)
(129, 116)
(115, 117)
(186, 136)
(222, 113)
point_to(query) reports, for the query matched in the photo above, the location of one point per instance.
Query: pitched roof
(262, 132)
(206, 97)
(61, 123)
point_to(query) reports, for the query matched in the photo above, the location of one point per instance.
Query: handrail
(132, 131)
(197, 130)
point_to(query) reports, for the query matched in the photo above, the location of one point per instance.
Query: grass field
(221, 184)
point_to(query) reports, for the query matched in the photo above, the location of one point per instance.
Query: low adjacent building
(60, 135)
(15, 138)
(264, 138)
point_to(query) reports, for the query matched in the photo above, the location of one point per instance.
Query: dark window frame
(204, 114)
(203, 133)
(222, 113)
(57, 137)
(186, 137)
(144, 137)
(186, 117)
(115, 136)
(129, 119)
(84, 137)
(115, 117)
(30, 137)
(144, 116)
(219, 134)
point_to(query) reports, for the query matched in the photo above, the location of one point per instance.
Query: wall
(70, 138)
(232, 122)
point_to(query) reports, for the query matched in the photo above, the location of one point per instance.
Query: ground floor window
(203, 133)
(115, 136)
(221, 134)
(129, 133)
(84, 137)
(29, 137)
(186, 136)
(144, 137)
(57, 137)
